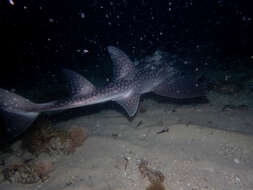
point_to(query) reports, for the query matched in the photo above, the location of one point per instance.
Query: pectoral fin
(130, 103)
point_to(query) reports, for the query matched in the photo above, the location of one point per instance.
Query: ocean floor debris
(155, 177)
(29, 172)
(45, 138)
(31, 159)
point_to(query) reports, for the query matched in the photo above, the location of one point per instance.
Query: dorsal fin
(78, 84)
(122, 65)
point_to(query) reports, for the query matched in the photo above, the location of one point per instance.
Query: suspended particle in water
(11, 2)
(85, 51)
(82, 51)
(82, 14)
(51, 20)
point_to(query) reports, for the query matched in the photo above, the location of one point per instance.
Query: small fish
(128, 84)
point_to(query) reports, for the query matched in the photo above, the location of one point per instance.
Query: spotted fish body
(126, 88)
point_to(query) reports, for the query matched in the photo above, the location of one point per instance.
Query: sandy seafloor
(204, 147)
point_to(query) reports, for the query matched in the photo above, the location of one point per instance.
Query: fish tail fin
(15, 116)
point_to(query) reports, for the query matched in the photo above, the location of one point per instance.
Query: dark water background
(39, 38)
